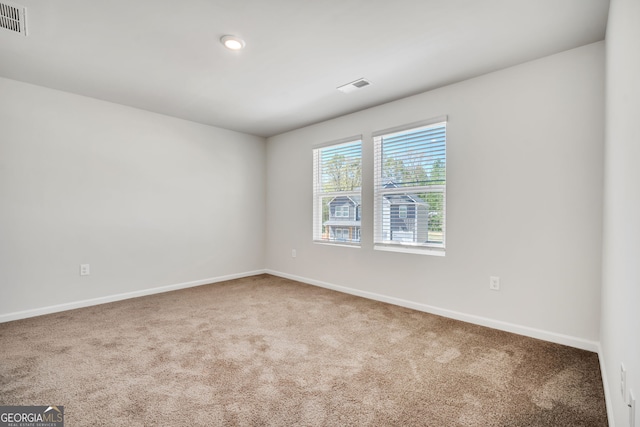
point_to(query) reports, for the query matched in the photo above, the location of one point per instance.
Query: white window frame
(380, 243)
(319, 193)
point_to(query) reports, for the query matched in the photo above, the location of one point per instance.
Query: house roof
(356, 200)
(397, 199)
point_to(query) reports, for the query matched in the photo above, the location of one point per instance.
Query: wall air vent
(13, 18)
(355, 85)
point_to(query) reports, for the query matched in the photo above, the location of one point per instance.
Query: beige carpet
(270, 351)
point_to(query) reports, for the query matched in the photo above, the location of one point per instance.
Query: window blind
(410, 186)
(337, 182)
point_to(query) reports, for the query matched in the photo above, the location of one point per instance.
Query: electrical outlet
(632, 409)
(494, 283)
(294, 253)
(623, 381)
(85, 270)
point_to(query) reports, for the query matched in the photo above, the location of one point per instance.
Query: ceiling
(165, 56)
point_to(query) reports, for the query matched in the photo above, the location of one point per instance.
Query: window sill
(411, 250)
(342, 244)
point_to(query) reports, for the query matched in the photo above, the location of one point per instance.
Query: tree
(393, 170)
(435, 200)
(413, 169)
(342, 174)
(409, 170)
(437, 174)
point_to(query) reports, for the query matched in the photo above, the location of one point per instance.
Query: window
(410, 187)
(342, 211)
(337, 180)
(342, 234)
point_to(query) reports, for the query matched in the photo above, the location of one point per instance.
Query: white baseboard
(470, 318)
(478, 320)
(605, 385)
(118, 297)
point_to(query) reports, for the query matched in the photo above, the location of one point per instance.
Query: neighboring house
(404, 218)
(344, 219)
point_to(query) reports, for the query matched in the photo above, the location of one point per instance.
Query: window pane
(410, 187)
(414, 158)
(338, 219)
(341, 167)
(337, 182)
(412, 218)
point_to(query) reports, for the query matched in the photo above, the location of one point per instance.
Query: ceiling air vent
(13, 18)
(355, 85)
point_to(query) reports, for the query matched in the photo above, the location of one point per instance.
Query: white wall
(620, 337)
(147, 200)
(524, 183)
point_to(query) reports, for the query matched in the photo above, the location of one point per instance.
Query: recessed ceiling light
(232, 42)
